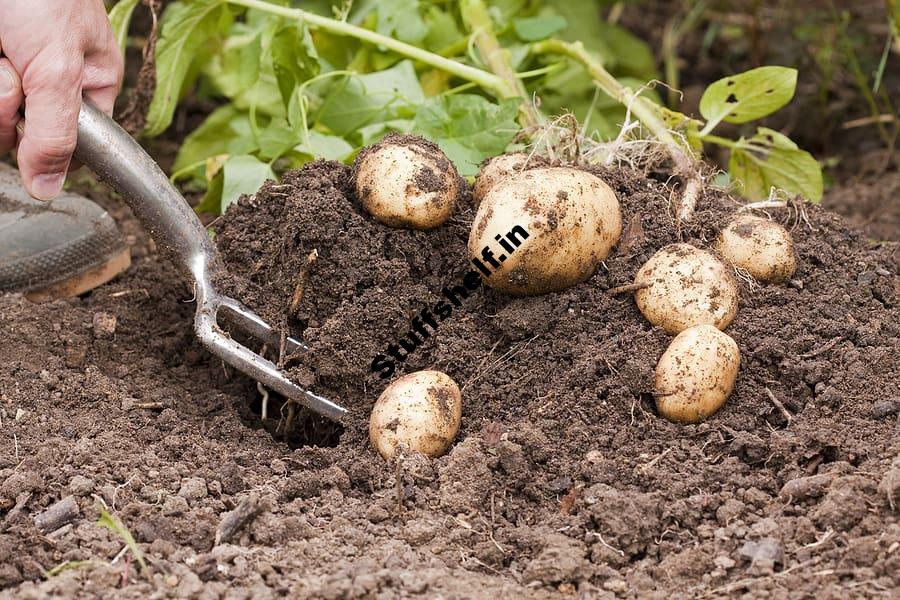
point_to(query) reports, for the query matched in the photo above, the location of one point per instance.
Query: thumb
(52, 102)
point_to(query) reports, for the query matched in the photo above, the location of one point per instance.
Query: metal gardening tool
(120, 162)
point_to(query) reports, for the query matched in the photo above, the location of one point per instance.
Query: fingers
(52, 87)
(11, 98)
(103, 72)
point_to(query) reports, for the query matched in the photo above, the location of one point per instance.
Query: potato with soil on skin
(761, 247)
(560, 222)
(420, 411)
(496, 169)
(406, 181)
(696, 374)
(686, 286)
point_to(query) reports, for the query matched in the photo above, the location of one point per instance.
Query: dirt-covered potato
(686, 287)
(696, 374)
(498, 168)
(406, 181)
(544, 230)
(421, 411)
(761, 247)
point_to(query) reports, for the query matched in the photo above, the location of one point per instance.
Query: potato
(761, 247)
(696, 374)
(498, 168)
(406, 181)
(544, 230)
(687, 287)
(421, 411)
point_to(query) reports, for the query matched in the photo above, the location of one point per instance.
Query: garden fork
(120, 162)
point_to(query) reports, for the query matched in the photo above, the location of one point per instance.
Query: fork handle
(120, 162)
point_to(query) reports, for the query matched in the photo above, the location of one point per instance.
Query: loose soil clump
(563, 479)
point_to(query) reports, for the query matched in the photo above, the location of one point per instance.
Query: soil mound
(563, 479)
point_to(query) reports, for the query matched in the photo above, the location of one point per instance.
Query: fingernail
(47, 187)
(7, 83)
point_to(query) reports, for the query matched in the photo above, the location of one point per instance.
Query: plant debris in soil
(563, 479)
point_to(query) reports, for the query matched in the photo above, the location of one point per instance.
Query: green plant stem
(484, 79)
(893, 8)
(714, 139)
(478, 19)
(646, 112)
(649, 114)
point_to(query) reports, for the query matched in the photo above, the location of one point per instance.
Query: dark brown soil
(871, 202)
(562, 481)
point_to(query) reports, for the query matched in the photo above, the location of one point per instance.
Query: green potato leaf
(224, 131)
(442, 29)
(328, 147)
(294, 59)
(468, 128)
(770, 159)
(242, 174)
(186, 27)
(222, 74)
(120, 19)
(533, 29)
(248, 62)
(212, 200)
(748, 96)
(402, 20)
(277, 138)
(359, 100)
(621, 52)
(630, 55)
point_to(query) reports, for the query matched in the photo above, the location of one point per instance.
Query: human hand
(52, 52)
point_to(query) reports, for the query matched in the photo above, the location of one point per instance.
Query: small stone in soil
(193, 488)
(885, 407)
(104, 325)
(57, 515)
(80, 485)
(763, 555)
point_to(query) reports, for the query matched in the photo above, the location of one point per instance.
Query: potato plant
(322, 81)
(484, 79)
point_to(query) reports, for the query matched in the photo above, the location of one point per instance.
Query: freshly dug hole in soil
(559, 432)
(562, 477)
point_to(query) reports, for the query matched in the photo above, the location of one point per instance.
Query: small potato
(544, 230)
(421, 411)
(406, 181)
(762, 247)
(687, 287)
(696, 374)
(498, 168)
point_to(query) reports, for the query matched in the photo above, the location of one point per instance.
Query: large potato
(544, 230)
(696, 374)
(498, 168)
(421, 411)
(687, 287)
(406, 181)
(761, 247)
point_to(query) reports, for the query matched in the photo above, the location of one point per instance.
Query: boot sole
(85, 281)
